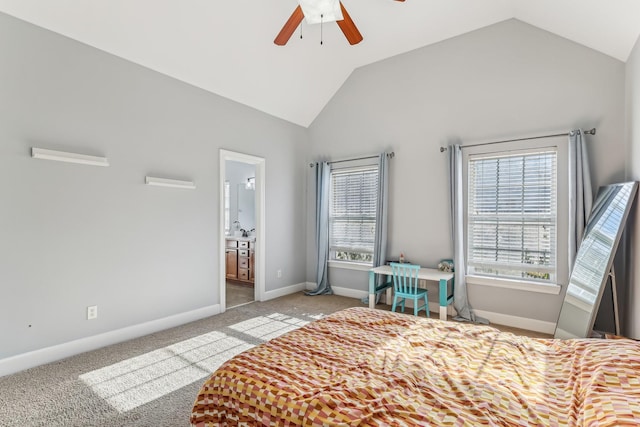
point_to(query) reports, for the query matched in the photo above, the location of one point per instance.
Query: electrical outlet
(279, 274)
(92, 312)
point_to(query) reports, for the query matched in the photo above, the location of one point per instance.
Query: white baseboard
(343, 292)
(349, 293)
(30, 359)
(498, 318)
(308, 286)
(518, 322)
(287, 290)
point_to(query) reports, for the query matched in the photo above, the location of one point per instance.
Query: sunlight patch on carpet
(139, 380)
(268, 327)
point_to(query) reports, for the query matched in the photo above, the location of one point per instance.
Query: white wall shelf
(173, 183)
(62, 156)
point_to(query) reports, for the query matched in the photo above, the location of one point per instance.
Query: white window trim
(552, 217)
(346, 264)
(562, 274)
(349, 265)
(538, 287)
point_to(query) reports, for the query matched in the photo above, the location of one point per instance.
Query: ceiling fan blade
(349, 28)
(289, 27)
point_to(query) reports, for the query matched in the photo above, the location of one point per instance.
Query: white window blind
(352, 214)
(512, 215)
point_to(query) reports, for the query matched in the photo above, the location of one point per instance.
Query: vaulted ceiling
(226, 47)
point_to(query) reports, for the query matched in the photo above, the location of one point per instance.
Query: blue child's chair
(405, 285)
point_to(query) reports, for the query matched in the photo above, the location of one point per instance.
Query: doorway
(240, 227)
(242, 218)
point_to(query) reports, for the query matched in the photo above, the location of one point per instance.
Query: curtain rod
(589, 132)
(391, 155)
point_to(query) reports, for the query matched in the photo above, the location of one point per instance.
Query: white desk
(431, 274)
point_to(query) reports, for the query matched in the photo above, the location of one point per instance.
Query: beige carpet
(153, 380)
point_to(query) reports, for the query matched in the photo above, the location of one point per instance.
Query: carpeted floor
(153, 380)
(113, 386)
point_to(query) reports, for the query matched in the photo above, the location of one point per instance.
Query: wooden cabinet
(240, 260)
(232, 259)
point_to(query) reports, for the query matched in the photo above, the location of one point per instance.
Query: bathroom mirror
(246, 207)
(594, 260)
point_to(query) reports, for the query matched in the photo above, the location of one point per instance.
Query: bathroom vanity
(240, 258)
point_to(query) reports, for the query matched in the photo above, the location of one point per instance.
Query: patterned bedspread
(375, 368)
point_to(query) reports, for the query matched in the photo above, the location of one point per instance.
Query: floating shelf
(174, 183)
(62, 156)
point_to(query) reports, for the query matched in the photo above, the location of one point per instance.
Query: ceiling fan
(320, 11)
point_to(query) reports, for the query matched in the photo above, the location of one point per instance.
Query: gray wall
(632, 302)
(503, 81)
(73, 235)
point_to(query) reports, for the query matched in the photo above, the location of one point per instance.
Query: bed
(370, 367)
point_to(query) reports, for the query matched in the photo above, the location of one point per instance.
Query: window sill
(349, 265)
(542, 288)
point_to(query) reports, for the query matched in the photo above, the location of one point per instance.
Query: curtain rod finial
(443, 149)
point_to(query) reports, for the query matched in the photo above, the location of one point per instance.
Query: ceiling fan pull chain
(321, 24)
(300, 30)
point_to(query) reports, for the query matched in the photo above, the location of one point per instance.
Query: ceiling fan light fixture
(318, 11)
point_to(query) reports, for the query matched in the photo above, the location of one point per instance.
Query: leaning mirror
(594, 260)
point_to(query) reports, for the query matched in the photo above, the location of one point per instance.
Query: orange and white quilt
(365, 367)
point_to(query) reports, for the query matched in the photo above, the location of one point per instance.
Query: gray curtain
(323, 181)
(460, 299)
(380, 244)
(580, 192)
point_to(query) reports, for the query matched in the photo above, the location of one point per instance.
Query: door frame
(259, 254)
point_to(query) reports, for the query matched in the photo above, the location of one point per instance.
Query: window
(352, 214)
(512, 215)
